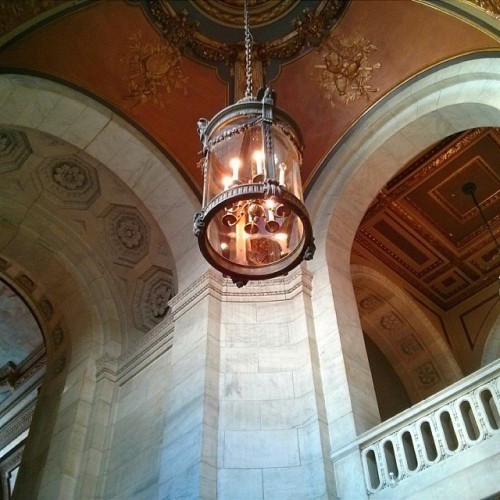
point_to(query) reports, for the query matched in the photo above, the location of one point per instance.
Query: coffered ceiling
(423, 227)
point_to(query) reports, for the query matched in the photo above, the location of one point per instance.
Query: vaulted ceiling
(161, 65)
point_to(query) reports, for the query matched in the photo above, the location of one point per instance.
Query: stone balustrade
(446, 424)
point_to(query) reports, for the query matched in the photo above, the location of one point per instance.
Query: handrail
(456, 418)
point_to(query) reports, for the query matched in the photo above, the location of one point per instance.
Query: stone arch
(416, 350)
(455, 96)
(55, 255)
(491, 352)
(56, 109)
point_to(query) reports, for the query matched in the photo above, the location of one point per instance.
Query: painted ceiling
(146, 60)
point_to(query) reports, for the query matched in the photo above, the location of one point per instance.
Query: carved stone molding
(106, 368)
(283, 288)
(14, 150)
(126, 234)
(8, 469)
(68, 181)
(17, 425)
(140, 355)
(152, 297)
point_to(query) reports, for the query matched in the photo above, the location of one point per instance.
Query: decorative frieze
(282, 288)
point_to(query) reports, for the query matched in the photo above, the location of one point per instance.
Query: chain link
(248, 52)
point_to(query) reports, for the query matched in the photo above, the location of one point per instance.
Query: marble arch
(413, 343)
(80, 282)
(449, 98)
(491, 350)
(51, 107)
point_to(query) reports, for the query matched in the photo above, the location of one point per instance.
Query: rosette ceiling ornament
(253, 224)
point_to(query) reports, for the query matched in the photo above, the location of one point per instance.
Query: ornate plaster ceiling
(162, 65)
(424, 228)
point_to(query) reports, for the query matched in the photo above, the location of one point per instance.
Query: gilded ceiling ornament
(310, 28)
(261, 11)
(491, 7)
(152, 68)
(15, 12)
(345, 73)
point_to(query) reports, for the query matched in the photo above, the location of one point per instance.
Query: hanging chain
(248, 52)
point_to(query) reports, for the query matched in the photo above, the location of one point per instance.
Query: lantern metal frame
(251, 197)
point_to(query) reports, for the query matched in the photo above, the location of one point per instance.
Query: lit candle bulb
(258, 156)
(282, 168)
(235, 164)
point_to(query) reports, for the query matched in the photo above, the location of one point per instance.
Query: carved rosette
(391, 322)
(68, 181)
(410, 346)
(14, 150)
(427, 375)
(152, 297)
(370, 303)
(126, 234)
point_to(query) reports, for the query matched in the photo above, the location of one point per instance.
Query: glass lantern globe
(253, 224)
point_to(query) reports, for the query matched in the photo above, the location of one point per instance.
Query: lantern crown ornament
(253, 224)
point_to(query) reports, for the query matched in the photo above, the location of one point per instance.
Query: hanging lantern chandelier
(253, 224)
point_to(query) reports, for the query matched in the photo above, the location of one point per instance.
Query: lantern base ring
(268, 190)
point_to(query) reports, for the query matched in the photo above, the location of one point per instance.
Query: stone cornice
(17, 425)
(282, 288)
(159, 339)
(141, 354)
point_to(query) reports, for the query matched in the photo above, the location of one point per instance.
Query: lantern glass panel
(235, 159)
(255, 232)
(287, 163)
